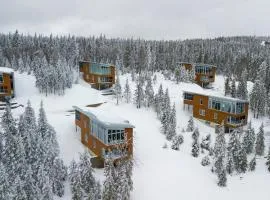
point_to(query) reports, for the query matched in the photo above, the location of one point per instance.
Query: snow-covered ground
(159, 173)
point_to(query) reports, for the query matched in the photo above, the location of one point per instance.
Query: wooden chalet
(6, 84)
(99, 75)
(204, 73)
(104, 135)
(214, 109)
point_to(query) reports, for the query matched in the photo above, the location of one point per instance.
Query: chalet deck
(104, 135)
(204, 73)
(6, 83)
(216, 109)
(99, 75)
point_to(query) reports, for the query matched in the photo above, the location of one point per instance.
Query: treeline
(230, 54)
(30, 165)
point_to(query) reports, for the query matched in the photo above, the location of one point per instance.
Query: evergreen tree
(233, 89)
(249, 139)
(118, 89)
(177, 141)
(206, 141)
(242, 156)
(18, 189)
(4, 183)
(138, 95)
(29, 185)
(219, 150)
(234, 148)
(172, 124)
(230, 164)
(268, 160)
(205, 161)
(227, 87)
(190, 126)
(258, 97)
(252, 164)
(109, 187)
(242, 92)
(166, 109)
(259, 145)
(127, 92)
(222, 178)
(149, 93)
(195, 144)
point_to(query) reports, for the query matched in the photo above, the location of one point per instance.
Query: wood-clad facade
(6, 85)
(217, 110)
(104, 138)
(204, 73)
(99, 75)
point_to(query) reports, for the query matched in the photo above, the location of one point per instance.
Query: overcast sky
(149, 19)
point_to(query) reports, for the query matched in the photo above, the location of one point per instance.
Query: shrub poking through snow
(205, 161)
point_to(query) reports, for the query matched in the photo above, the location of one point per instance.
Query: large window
(188, 96)
(77, 115)
(203, 69)
(202, 112)
(1, 78)
(98, 131)
(98, 68)
(116, 136)
(226, 105)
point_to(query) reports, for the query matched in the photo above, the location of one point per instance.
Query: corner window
(77, 115)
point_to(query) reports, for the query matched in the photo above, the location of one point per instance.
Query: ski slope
(158, 173)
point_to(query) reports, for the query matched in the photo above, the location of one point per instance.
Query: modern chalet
(217, 110)
(6, 84)
(99, 75)
(103, 132)
(204, 73)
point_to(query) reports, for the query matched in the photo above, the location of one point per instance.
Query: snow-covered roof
(210, 93)
(198, 64)
(6, 70)
(104, 115)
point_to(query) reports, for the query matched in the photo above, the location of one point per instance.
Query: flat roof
(6, 70)
(204, 92)
(104, 115)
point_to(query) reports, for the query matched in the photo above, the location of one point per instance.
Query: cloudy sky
(150, 19)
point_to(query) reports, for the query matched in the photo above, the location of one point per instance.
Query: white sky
(149, 19)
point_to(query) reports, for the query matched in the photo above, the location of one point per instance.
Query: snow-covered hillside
(159, 173)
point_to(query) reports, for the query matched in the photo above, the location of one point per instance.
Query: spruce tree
(222, 178)
(227, 87)
(252, 164)
(242, 92)
(233, 89)
(234, 147)
(243, 164)
(118, 89)
(268, 160)
(172, 124)
(109, 186)
(127, 92)
(219, 150)
(190, 126)
(249, 139)
(177, 141)
(5, 192)
(259, 145)
(149, 93)
(195, 144)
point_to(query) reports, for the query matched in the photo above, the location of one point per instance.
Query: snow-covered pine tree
(127, 92)
(242, 92)
(222, 178)
(5, 192)
(205, 161)
(86, 173)
(219, 150)
(206, 141)
(190, 126)
(268, 160)
(172, 124)
(177, 141)
(166, 110)
(252, 164)
(227, 86)
(117, 88)
(138, 95)
(75, 181)
(229, 163)
(109, 186)
(149, 93)
(122, 185)
(259, 145)
(249, 139)
(29, 185)
(242, 156)
(258, 98)
(234, 147)
(18, 189)
(233, 89)
(59, 174)
(195, 144)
